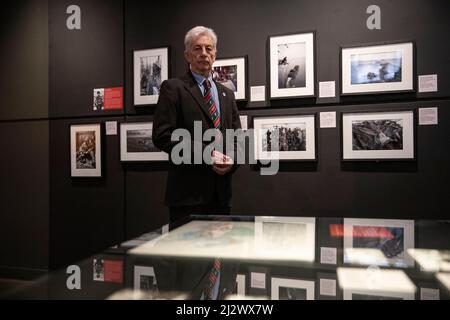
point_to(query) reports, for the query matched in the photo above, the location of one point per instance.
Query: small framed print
(378, 135)
(85, 150)
(285, 138)
(292, 289)
(381, 68)
(151, 68)
(145, 280)
(232, 73)
(291, 65)
(379, 242)
(136, 143)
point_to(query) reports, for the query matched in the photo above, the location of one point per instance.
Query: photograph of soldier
(85, 150)
(377, 134)
(150, 75)
(140, 141)
(284, 137)
(99, 270)
(99, 99)
(291, 65)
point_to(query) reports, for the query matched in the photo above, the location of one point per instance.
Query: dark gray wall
(24, 166)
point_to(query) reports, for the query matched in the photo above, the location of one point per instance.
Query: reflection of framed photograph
(380, 242)
(292, 289)
(377, 68)
(285, 138)
(85, 150)
(378, 135)
(145, 280)
(136, 143)
(374, 283)
(151, 68)
(291, 65)
(285, 238)
(231, 72)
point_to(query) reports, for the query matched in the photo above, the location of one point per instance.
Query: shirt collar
(199, 78)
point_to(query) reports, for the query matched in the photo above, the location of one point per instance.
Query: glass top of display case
(262, 257)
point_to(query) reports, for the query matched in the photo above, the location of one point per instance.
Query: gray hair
(196, 32)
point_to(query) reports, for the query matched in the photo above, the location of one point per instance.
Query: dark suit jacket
(180, 104)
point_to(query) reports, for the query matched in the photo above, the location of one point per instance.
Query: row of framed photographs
(365, 69)
(387, 135)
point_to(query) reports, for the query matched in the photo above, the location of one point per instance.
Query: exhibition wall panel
(24, 55)
(86, 59)
(86, 213)
(243, 28)
(331, 188)
(24, 189)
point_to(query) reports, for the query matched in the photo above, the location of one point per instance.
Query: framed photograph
(378, 135)
(151, 68)
(374, 283)
(292, 289)
(291, 65)
(379, 68)
(285, 238)
(145, 280)
(379, 242)
(136, 143)
(85, 150)
(232, 73)
(285, 138)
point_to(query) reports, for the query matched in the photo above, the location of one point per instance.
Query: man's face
(201, 55)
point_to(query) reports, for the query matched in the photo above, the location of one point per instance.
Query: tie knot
(206, 84)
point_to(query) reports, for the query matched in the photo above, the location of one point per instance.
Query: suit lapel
(194, 90)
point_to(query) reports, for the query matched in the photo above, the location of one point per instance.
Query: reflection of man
(195, 97)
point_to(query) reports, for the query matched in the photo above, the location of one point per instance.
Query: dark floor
(8, 286)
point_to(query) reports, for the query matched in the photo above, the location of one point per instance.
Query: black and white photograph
(378, 135)
(292, 289)
(381, 242)
(85, 150)
(292, 65)
(377, 68)
(98, 270)
(150, 70)
(231, 72)
(285, 138)
(145, 281)
(99, 99)
(136, 143)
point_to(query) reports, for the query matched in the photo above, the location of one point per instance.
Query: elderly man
(195, 97)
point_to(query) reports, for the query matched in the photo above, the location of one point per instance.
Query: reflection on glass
(431, 260)
(444, 278)
(374, 283)
(292, 289)
(365, 239)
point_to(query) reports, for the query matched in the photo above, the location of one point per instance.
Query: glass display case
(269, 258)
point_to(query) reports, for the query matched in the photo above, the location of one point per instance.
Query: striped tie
(212, 280)
(208, 97)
